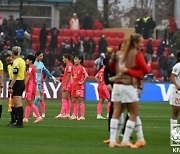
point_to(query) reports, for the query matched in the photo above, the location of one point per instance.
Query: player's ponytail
(38, 53)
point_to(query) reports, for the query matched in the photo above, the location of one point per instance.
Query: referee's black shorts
(18, 88)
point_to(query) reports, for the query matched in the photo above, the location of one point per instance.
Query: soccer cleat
(140, 143)
(107, 116)
(59, 116)
(25, 120)
(67, 116)
(34, 115)
(73, 117)
(39, 119)
(127, 144)
(108, 141)
(99, 117)
(43, 115)
(81, 118)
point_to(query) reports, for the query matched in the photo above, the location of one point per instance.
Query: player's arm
(175, 72)
(45, 70)
(15, 74)
(28, 77)
(96, 77)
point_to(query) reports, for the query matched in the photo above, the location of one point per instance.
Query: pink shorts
(103, 92)
(29, 96)
(77, 93)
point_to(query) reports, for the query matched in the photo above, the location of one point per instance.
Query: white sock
(113, 130)
(120, 124)
(128, 131)
(173, 124)
(138, 129)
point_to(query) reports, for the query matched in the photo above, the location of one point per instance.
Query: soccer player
(79, 76)
(39, 79)
(30, 89)
(1, 84)
(66, 87)
(103, 92)
(16, 87)
(124, 93)
(175, 93)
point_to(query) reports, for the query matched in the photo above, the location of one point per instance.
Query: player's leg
(82, 108)
(42, 105)
(100, 108)
(174, 116)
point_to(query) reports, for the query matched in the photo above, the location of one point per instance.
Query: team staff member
(16, 87)
(1, 82)
(175, 93)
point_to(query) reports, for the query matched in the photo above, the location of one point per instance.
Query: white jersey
(176, 71)
(75, 24)
(174, 98)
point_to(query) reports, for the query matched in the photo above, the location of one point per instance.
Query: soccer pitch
(63, 136)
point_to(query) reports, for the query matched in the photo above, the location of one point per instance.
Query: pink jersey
(31, 84)
(78, 75)
(68, 69)
(100, 75)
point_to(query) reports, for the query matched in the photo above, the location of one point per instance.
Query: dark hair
(80, 58)
(105, 61)
(38, 53)
(32, 58)
(68, 56)
(178, 56)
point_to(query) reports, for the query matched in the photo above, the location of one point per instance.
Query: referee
(16, 87)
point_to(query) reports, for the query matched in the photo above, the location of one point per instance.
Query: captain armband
(15, 71)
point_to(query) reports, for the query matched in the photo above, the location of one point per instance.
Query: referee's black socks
(13, 116)
(19, 116)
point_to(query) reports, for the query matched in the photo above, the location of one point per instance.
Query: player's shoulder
(177, 65)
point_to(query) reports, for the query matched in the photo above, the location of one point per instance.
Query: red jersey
(78, 75)
(100, 75)
(68, 69)
(31, 84)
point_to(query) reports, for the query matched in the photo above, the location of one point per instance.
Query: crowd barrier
(152, 92)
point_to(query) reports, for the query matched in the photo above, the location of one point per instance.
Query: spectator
(54, 38)
(48, 60)
(87, 22)
(43, 38)
(172, 29)
(102, 45)
(150, 27)
(176, 39)
(99, 62)
(57, 72)
(81, 46)
(97, 25)
(171, 62)
(139, 25)
(149, 51)
(160, 49)
(90, 48)
(74, 22)
(74, 45)
(163, 65)
(64, 49)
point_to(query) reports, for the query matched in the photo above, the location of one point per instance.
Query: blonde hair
(16, 50)
(129, 44)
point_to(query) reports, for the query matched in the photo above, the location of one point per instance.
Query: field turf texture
(62, 136)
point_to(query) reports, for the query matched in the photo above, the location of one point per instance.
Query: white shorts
(124, 93)
(174, 98)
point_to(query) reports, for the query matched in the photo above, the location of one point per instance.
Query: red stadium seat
(120, 34)
(156, 43)
(156, 73)
(66, 32)
(111, 41)
(97, 33)
(118, 41)
(36, 31)
(66, 38)
(60, 32)
(82, 33)
(74, 32)
(89, 63)
(34, 47)
(96, 55)
(35, 38)
(60, 39)
(48, 39)
(154, 65)
(106, 33)
(97, 49)
(96, 40)
(113, 34)
(145, 42)
(89, 33)
(91, 71)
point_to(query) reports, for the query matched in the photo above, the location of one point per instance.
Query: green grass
(61, 136)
